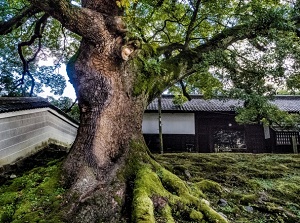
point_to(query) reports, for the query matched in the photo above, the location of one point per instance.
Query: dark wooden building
(208, 126)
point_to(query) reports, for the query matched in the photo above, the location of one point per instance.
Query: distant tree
(67, 105)
(259, 109)
(130, 52)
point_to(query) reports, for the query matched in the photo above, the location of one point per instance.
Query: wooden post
(294, 144)
(161, 147)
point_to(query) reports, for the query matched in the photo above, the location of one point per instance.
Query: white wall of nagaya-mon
(23, 133)
(172, 123)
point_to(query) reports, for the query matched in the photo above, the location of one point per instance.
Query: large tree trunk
(111, 118)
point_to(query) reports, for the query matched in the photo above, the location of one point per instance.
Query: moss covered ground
(256, 188)
(31, 191)
(33, 197)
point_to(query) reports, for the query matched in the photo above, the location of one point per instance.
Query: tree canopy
(241, 49)
(33, 47)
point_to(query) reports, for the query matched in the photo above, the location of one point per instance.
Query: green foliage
(7, 83)
(214, 47)
(125, 3)
(293, 83)
(178, 99)
(258, 109)
(203, 83)
(254, 66)
(57, 43)
(65, 104)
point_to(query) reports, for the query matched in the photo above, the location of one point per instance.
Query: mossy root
(160, 196)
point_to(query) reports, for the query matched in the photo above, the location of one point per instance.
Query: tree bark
(111, 117)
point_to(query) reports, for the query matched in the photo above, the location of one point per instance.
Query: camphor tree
(130, 52)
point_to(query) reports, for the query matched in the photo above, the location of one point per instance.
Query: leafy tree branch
(38, 31)
(18, 20)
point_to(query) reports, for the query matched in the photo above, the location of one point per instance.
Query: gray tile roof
(289, 103)
(12, 104)
(9, 104)
(198, 103)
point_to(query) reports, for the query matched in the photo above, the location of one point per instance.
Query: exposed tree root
(160, 196)
(155, 193)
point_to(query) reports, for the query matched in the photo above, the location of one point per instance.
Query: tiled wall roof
(288, 103)
(198, 103)
(12, 104)
(8, 104)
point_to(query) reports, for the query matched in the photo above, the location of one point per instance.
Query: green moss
(196, 215)
(147, 74)
(155, 181)
(8, 198)
(17, 185)
(136, 156)
(209, 186)
(248, 199)
(166, 213)
(22, 209)
(33, 197)
(268, 182)
(7, 212)
(174, 184)
(289, 190)
(118, 199)
(146, 184)
(210, 214)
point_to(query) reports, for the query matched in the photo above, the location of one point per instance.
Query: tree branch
(18, 20)
(257, 45)
(85, 22)
(38, 30)
(168, 49)
(191, 25)
(187, 58)
(184, 92)
(161, 30)
(70, 108)
(32, 83)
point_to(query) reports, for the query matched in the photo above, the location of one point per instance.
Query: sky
(69, 90)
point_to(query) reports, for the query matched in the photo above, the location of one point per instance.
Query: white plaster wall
(24, 132)
(172, 123)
